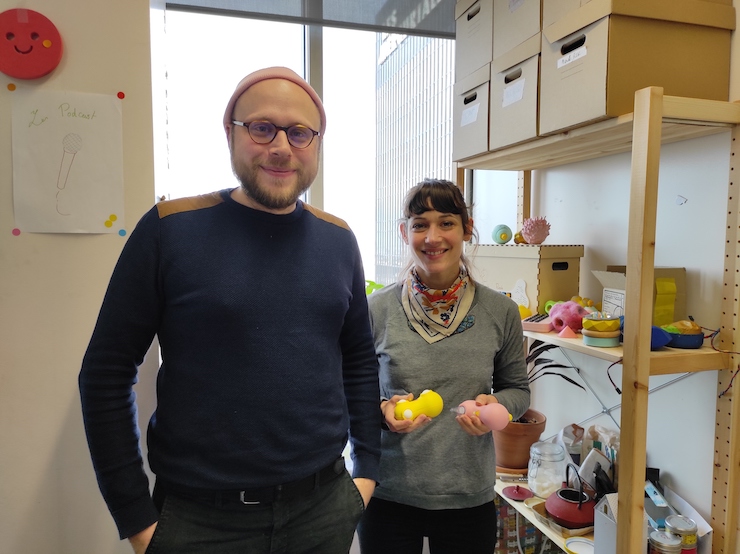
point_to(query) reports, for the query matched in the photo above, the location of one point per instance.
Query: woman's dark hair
(444, 197)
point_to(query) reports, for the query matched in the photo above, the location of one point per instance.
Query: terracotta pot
(513, 441)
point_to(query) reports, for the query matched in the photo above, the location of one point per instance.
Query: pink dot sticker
(16, 232)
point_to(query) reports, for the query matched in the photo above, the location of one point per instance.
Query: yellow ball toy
(429, 403)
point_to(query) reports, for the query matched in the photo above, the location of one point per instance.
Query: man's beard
(264, 195)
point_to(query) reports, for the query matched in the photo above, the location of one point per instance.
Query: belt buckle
(247, 502)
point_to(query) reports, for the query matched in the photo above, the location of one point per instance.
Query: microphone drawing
(72, 144)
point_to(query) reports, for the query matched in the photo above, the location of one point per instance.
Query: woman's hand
(472, 425)
(388, 407)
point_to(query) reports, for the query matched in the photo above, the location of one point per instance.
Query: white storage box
(473, 36)
(515, 95)
(514, 22)
(470, 115)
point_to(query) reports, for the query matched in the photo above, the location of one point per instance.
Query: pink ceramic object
(535, 230)
(567, 314)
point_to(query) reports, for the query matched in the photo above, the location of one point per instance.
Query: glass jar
(546, 470)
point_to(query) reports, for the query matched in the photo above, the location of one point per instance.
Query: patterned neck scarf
(436, 314)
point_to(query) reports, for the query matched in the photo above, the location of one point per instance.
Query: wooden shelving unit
(529, 514)
(657, 119)
(665, 361)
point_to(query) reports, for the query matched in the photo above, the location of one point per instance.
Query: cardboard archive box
(470, 114)
(473, 36)
(669, 292)
(597, 56)
(514, 22)
(554, 10)
(515, 89)
(531, 274)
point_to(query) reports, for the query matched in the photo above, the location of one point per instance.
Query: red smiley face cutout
(30, 44)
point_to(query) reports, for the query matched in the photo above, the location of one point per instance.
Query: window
(205, 56)
(388, 99)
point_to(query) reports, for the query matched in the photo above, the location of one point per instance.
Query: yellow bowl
(601, 323)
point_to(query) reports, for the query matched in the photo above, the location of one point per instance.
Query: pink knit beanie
(273, 73)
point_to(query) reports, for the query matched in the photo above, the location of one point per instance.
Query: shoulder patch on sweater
(179, 205)
(326, 216)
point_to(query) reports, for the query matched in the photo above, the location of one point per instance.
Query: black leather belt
(259, 495)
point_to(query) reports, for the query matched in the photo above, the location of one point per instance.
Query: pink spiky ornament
(535, 230)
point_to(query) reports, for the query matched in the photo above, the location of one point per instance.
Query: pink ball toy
(568, 314)
(494, 416)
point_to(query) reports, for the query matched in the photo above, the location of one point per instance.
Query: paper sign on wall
(67, 162)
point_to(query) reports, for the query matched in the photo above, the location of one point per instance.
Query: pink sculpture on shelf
(568, 314)
(535, 230)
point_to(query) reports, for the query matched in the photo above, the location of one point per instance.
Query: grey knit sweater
(440, 466)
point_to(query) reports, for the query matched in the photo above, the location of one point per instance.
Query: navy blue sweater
(268, 359)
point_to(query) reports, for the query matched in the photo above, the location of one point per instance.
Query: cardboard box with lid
(470, 105)
(514, 93)
(531, 274)
(473, 36)
(554, 10)
(514, 22)
(669, 292)
(595, 57)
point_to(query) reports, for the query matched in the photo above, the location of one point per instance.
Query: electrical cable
(545, 538)
(611, 365)
(518, 534)
(711, 336)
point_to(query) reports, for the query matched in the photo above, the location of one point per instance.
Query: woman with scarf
(437, 329)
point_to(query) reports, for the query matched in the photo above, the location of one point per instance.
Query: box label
(612, 302)
(513, 93)
(515, 5)
(570, 57)
(469, 115)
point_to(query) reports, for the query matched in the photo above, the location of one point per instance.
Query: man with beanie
(268, 365)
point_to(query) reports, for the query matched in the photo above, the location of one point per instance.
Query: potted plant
(514, 441)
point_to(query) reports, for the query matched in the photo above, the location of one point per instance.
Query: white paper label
(515, 5)
(469, 115)
(513, 93)
(576, 54)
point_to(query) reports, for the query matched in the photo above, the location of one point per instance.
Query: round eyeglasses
(264, 132)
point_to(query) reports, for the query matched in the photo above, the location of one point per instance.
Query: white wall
(51, 286)
(588, 203)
